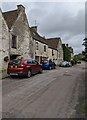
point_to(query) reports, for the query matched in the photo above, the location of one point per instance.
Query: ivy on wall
(3, 70)
(66, 53)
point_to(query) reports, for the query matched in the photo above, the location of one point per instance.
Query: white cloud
(43, 1)
(64, 19)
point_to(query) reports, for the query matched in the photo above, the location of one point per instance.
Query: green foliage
(85, 44)
(75, 59)
(3, 70)
(66, 53)
(83, 107)
(78, 57)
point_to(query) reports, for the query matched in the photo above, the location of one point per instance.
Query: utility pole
(36, 23)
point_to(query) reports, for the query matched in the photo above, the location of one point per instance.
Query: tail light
(21, 65)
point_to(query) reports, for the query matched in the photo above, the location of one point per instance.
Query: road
(52, 94)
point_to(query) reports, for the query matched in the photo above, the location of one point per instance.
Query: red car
(24, 66)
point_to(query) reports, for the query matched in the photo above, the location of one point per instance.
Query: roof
(53, 42)
(10, 17)
(37, 37)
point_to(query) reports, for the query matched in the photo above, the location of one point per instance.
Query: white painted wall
(53, 57)
(60, 51)
(40, 51)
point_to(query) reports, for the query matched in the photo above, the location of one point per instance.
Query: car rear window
(64, 63)
(46, 61)
(28, 61)
(15, 62)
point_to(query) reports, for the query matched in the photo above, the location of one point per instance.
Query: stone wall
(4, 44)
(50, 53)
(21, 30)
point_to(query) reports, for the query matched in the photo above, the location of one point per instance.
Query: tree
(75, 59)
(85, 44)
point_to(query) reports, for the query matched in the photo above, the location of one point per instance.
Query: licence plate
(13, 74)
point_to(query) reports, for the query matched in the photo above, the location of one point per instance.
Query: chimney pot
(67, 45)
(34, 28)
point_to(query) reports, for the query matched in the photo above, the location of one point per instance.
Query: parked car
(48, 64)
(65, 64)
(79, 62)
(24, 66)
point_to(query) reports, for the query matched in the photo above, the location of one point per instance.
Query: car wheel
(40, 70)
(50, 67)
(29, 74)
(54, 67)
(12, 76)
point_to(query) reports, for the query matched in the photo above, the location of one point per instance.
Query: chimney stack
(34, 28)
(67, 45)
(63, 44)
(21, 8)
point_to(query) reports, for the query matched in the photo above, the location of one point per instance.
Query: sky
(64, 19)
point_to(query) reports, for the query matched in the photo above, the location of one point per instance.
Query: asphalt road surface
(52, 94)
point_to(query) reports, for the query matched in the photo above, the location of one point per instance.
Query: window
(29, 61)
(15, 62)
(14, 41)
(34, 62)
(44, 48)
(36, 45)
(60, 46)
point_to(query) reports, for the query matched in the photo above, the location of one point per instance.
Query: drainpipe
(57, 56)
(34, 49)
(9, 45)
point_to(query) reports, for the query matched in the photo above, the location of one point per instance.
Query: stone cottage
(19, 32)
(40, 45)
(55, 51)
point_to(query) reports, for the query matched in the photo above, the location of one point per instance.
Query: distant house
(72, 53)
(67, 52)
(55, 51)
(40, 45)
(19, 32)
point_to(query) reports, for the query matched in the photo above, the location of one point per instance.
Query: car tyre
(50, 68)
(54, 67)
(29, 73)
(40, 70)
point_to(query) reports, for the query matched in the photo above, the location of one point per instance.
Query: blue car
(48, 64)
